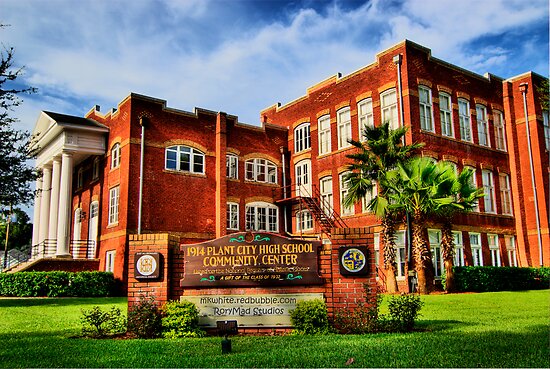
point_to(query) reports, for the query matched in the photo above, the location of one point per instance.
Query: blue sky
(242, 56)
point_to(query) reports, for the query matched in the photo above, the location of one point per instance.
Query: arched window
(262, 216)
(302, 138)
(304, 221)
(260, 170)
(184, 159)
(232, 166)
(115, 156)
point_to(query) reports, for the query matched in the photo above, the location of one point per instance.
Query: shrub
(489, 279)
(145, 319)
(404, 309)
(98, 323)
(364, 318)
(180, 319)
(58, 284)
(310, 317)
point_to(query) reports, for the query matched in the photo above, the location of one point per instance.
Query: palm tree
(421, 188)
(466, 196)
(381, 151)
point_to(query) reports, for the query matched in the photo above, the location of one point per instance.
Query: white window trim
(478, 248)
(343, 191)
(494, 249)
(269, 226)
(324, 135)
(327, 197)
(400, 248)
(546, 127)
(110, 260)
(474, 183)
(115, 156)
(343, 126)
(424, 107)
(304, 221)
(489, 190)
(500, 130)
(506, 194)
(80, 178)
(95, 169)
(261, 166)
(389, 110)
(369, 197)
(465, 118)
(302, 137)
(448, 113)
(459, 248)
(232, 166)
(510, 242)
(482, 122)
(232, 208)
(365, 116)
(193, 153)
(114, 201)
(435, 248)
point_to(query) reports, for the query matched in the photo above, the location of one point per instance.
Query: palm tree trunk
(447, 251)
(388, 229)
(422, 256)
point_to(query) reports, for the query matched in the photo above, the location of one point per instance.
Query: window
(95, 169)
(388, 104)
(505, 194)
(114, 196)
(80, 178)
(232, 166)
(400, 254)
(260, 170)
(323, 125)
(426, 117)
(475, 244)
(500, 132)
(184, 159)
(376, 251)
(115, 156)
(304, 221)
(77, 230)
(110, 261)
(474, 183)
(303, 178)
(546, 126)
(344, 127)
(302, 138)
(464, 120)
(446, 115)
(93, 228)
(232, 216)
(434, 237)
(343, 192)
(459, 248)
(494, 249)
(482, 126)
(365, 117)
(369, 197)
(510, 242)
(489, 190)
(326, 195)
(262, 216)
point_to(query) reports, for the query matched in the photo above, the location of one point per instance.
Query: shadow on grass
(58, 301)
(439, 325)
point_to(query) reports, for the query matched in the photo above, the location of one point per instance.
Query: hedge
(489, 278)
(58, 284)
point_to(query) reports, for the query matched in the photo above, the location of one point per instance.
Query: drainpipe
(284, 186)
(523, 90)
(143, 123)
(397, 59)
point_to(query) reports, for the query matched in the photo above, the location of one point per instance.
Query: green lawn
(501, 329)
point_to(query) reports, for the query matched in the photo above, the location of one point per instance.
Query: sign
(353, 260)
(147, 265)
(269, 310)
(251, 259)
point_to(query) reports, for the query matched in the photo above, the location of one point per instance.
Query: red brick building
(146, 168)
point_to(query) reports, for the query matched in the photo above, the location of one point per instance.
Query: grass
(500, 329)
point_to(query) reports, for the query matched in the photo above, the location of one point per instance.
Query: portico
(63, 141)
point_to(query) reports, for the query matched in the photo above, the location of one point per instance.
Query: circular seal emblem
(353, 260)
(146, 265)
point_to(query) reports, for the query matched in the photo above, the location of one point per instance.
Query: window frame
(304, 221)
(510, 242)
(270, 213)
(465, 120)
(95, 169)
(488, 189)
(546, 128)
(327, 197)
(459, 259)
(232, 215)
(401, 255)
(115, 156)
(474, 183)
(507, 207)
(389, 108)
(110, 256)
(232, 166)
(302, 137)
(343, 191)
(435, 250)
(494, 249)
(325, 140)
(260, 167)
(499, 126)
(477, 250)
(114, 205)
(369, 196)
(343, 126)
(365, 116)
(446, 115)
(193, 154)
(426, 109)
(482, 126)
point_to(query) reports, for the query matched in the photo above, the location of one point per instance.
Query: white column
(54, 198)
(36, 216)
(64, 216)
(45, 202)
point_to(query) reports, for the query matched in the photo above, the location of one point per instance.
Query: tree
(16, 175)
(382, 150)
(421, 188)
(465, 196)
